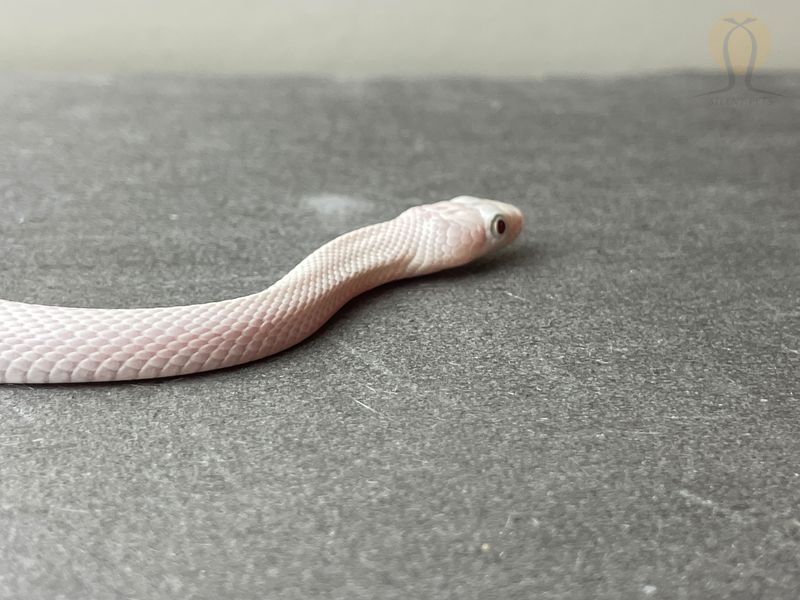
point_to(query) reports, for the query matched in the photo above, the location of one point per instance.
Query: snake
(42, 344)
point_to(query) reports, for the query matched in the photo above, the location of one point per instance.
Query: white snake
(53, 344)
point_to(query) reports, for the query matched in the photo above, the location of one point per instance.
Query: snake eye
(498, 226)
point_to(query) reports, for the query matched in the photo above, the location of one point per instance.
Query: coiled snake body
(52, 344)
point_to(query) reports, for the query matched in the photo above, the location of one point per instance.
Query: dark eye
(498, 226)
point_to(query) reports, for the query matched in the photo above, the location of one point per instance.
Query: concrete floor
(607, 409)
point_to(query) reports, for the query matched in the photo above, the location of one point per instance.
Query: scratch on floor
(515, 296)
(366, 406)
(378, 365)
(700, 501)
(71, 510)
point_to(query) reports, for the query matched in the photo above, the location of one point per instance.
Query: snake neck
(308, 295)
(354, 262)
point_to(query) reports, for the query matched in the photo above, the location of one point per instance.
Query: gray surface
(609, 409)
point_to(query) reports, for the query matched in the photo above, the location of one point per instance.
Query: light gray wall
(374, 37)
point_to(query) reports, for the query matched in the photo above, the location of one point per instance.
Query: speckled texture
(607, 409)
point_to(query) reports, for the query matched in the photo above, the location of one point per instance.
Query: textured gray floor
(609, 409)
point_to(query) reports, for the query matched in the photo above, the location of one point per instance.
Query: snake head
(457, 231)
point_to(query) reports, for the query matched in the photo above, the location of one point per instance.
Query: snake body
(53, 344)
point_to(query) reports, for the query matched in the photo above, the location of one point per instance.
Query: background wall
(373, 37)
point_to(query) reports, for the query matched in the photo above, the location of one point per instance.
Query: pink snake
(53, 344)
